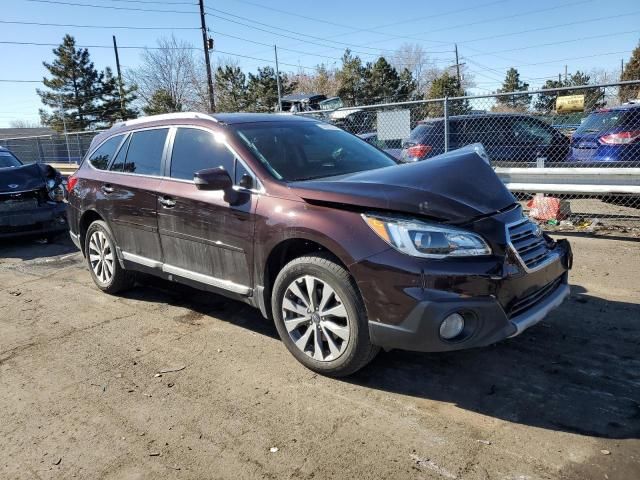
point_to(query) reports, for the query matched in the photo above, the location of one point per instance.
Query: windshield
(599, 121)
(303, 151)
(331, 104)
(7, 159)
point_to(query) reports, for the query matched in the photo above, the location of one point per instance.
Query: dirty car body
(436, 255)
(31, 198)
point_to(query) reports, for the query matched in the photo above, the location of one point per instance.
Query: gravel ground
(80, 396)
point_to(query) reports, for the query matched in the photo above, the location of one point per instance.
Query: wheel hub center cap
(315, 318)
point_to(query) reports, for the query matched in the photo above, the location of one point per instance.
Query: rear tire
(102, 259)
(325, 330)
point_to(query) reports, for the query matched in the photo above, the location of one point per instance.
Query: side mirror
(212, 179)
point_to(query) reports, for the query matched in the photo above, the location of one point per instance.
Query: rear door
(206, 236)
(130, 191)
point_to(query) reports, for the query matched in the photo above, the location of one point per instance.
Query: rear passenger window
(144, 155)
(194, 150)
(102, 156)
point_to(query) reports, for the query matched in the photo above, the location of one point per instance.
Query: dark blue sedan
(608, 137)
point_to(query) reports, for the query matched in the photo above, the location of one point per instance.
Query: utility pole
(565, 74)
(458, 67)
(205, 43)
(275, 50)
(621, 68)
(123, 110)
(64, 129)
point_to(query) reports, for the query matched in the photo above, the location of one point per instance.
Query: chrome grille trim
(530, 249)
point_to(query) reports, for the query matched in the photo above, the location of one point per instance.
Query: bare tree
(19, 123)
(170, 68)
(322, 80)
(414, 58)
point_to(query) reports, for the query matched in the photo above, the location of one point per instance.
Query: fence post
(446, 124)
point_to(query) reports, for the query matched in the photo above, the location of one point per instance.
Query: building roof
(25, 132)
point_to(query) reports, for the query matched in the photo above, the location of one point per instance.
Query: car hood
(26, 177)
(454, 187)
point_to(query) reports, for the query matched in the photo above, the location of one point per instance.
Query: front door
(206, 236)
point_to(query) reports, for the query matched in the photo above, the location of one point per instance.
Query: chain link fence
(570, 128)
(55, 148)
(526, 135)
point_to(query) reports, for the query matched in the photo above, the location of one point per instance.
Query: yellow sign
(570, 103)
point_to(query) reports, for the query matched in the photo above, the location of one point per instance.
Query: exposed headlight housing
(56, 192)
(422, 239)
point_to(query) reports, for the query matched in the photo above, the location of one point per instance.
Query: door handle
(167, 202)
(107, 189)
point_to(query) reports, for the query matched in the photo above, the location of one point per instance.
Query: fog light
(452, 326)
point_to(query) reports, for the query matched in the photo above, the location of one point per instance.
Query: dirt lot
(79, 397)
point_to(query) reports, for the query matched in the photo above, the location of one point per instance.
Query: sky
(538, 38)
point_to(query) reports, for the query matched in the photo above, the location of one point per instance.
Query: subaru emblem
(12, 185)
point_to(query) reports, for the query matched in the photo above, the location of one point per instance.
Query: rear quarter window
(101, 157)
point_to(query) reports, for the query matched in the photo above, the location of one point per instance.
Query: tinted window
(8, 160)
(529, 131)
(424, 130)
(118, 162)
(144, 156)
(102, 156)
(301, 151)
(195, 150)
(599, 121)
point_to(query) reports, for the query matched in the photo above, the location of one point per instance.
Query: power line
(528, 47)
(344, 44)
(74, 25)
(550, 27)
(109, 7)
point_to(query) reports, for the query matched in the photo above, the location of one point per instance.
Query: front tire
(320, 316)
(100, 250)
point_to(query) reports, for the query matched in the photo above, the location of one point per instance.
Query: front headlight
(421, 239)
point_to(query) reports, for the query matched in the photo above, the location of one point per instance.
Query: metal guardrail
(572, 180)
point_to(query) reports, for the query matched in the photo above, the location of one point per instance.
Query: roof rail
(165, 116)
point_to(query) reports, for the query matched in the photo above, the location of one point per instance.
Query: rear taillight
(71, 182)
(419, 151)
(621, 138)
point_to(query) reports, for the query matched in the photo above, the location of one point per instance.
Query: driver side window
(195, 149)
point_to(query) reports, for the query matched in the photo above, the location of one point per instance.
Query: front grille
(525, 303)
(527, 240)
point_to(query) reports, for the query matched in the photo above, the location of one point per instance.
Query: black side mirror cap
(212, 179)
(246, 182)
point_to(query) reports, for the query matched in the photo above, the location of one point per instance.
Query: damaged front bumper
(406, 310)
(47, 219)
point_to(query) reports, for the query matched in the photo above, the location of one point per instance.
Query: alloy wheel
(101, 256)
(315, 318)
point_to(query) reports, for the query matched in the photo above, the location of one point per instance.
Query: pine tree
(631, 72)
(380, 82)
(351, 79)
(262, 89)
(407, 86)
(446, 86)
(111, 109)
(231, 89)
(161, 101)
(74, 89)
(593, 97)
(512, 83)
(546, 102)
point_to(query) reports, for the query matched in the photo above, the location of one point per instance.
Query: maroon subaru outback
(346, 250)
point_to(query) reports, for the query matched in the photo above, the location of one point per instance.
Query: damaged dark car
(32, 199)
(347, 251)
